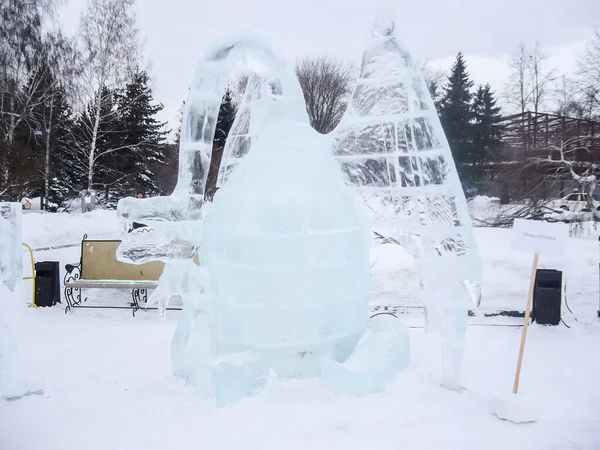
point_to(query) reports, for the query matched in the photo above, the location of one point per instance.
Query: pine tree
(456, 115)
(434, 90)
(225, 120)
(487, 133)
(141, 136)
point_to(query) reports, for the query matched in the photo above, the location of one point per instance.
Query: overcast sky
(176, 32)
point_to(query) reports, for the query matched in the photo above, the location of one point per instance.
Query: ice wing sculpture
(245, 53)
(394, 153)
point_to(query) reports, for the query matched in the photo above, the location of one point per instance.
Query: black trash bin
(47, 283)
(547, 297)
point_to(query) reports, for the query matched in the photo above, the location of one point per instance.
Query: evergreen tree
(456, 115)
(434, 90)
(487, 132)
(225, 120)
(141, 137)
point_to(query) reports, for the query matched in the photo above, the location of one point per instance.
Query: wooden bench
(98, 268)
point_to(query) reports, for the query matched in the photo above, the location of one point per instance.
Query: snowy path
(108, 385)
(108, 382)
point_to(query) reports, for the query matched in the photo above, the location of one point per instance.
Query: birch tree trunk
(92, 155)
(47, 136)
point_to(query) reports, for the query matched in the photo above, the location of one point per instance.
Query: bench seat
(98, 268)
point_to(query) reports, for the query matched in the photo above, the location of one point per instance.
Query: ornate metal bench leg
(72, 294)
(138, 296)
(135, 295)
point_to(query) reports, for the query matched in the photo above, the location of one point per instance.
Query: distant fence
(56, 247)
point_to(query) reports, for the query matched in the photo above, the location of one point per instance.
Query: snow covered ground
(107, 380)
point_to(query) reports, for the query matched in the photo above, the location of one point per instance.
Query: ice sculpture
(287, 255)
(246, 127)
(281, 221)
(11, 254)
(393, 151)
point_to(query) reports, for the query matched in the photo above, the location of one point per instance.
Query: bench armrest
(70, 267)
(73, 273)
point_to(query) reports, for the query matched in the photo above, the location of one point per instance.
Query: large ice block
(11, 252)
(284, 246)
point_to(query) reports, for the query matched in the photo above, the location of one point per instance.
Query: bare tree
(530, 82)
(55, 78)
(34, 65)
(589, 76)
(541, 77)
(568, 158)
(434, 79)
(109, 44)
(518, 88)
(327, 84)
(567, 98)
(22, 48)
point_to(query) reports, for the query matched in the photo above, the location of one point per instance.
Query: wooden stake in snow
(534, 236)
(526, 322)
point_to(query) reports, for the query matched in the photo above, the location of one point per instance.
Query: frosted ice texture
(287, 255)
(167, 241)
(382, 353)
(245, 53)
(393, 152)
(246, 126)
(237, 376)
(11, 252)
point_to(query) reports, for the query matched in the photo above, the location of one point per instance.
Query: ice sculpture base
(382, 353)
(237, 376)
(297, 362)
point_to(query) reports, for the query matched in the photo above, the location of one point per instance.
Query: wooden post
(526, 322)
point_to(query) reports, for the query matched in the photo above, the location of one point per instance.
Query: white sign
(535, 236)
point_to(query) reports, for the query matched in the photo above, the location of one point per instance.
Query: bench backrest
(99, 262)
